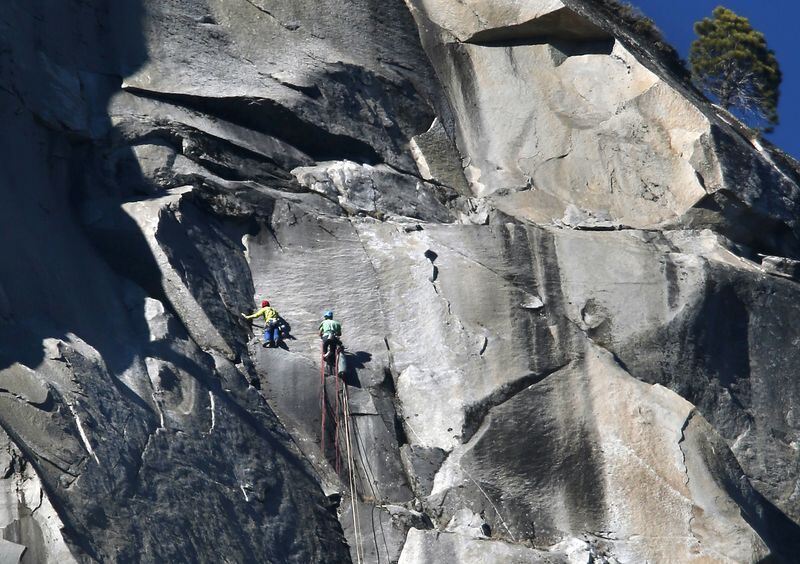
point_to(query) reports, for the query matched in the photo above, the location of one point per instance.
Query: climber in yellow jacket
(272, 332)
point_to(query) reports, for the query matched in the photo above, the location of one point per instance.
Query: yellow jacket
(268, 313)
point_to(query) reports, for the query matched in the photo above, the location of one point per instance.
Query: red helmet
(265, 303)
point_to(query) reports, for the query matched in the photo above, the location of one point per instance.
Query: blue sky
(777, 19)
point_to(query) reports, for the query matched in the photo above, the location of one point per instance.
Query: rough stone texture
(716, 317)
(427, 546)
(30, 526)
(149, 447)
(583, 465)
(781, 266)
(534, 298)
(600, 130)
(386, 528)
(302, 73)
(357, 189)
(437, 159)
(567, 285)
(421, 464)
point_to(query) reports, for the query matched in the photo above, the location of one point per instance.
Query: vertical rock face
(551, 110)
(544, 248)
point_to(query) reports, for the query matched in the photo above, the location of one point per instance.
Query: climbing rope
(352, 476)
(322, 398)
(336, 415)
(370, 479)
(335, 410)
(341, 412)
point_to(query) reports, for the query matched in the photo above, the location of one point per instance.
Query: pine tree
(731, 62)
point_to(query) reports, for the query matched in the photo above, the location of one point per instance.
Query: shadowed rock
(566, 284)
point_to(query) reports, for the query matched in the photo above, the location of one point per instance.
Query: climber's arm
(254, 315)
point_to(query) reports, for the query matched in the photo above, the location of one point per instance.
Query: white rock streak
(213, 411)
(82, 433)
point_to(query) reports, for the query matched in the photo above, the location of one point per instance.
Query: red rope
(336, 428)
(323, 406)
(322, 400)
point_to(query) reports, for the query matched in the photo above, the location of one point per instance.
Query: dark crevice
(311, 91)
(743, 223)
(277, 178)
(432, 256)
(564, 47)
(269, 117)
(387, 387)
(444, 192)
(286, 26)
(560, 25)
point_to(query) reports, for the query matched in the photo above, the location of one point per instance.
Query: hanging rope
(322, 400)
(370, 478)
(341, 411)
(352, 476)
(336, 417)
(335, 410)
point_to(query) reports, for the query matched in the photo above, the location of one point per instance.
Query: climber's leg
(271, 334)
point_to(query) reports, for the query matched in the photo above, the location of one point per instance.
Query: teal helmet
(328, 314)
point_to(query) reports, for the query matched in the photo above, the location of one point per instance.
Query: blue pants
(272, 334)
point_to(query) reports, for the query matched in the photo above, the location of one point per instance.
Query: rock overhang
(635, 143)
